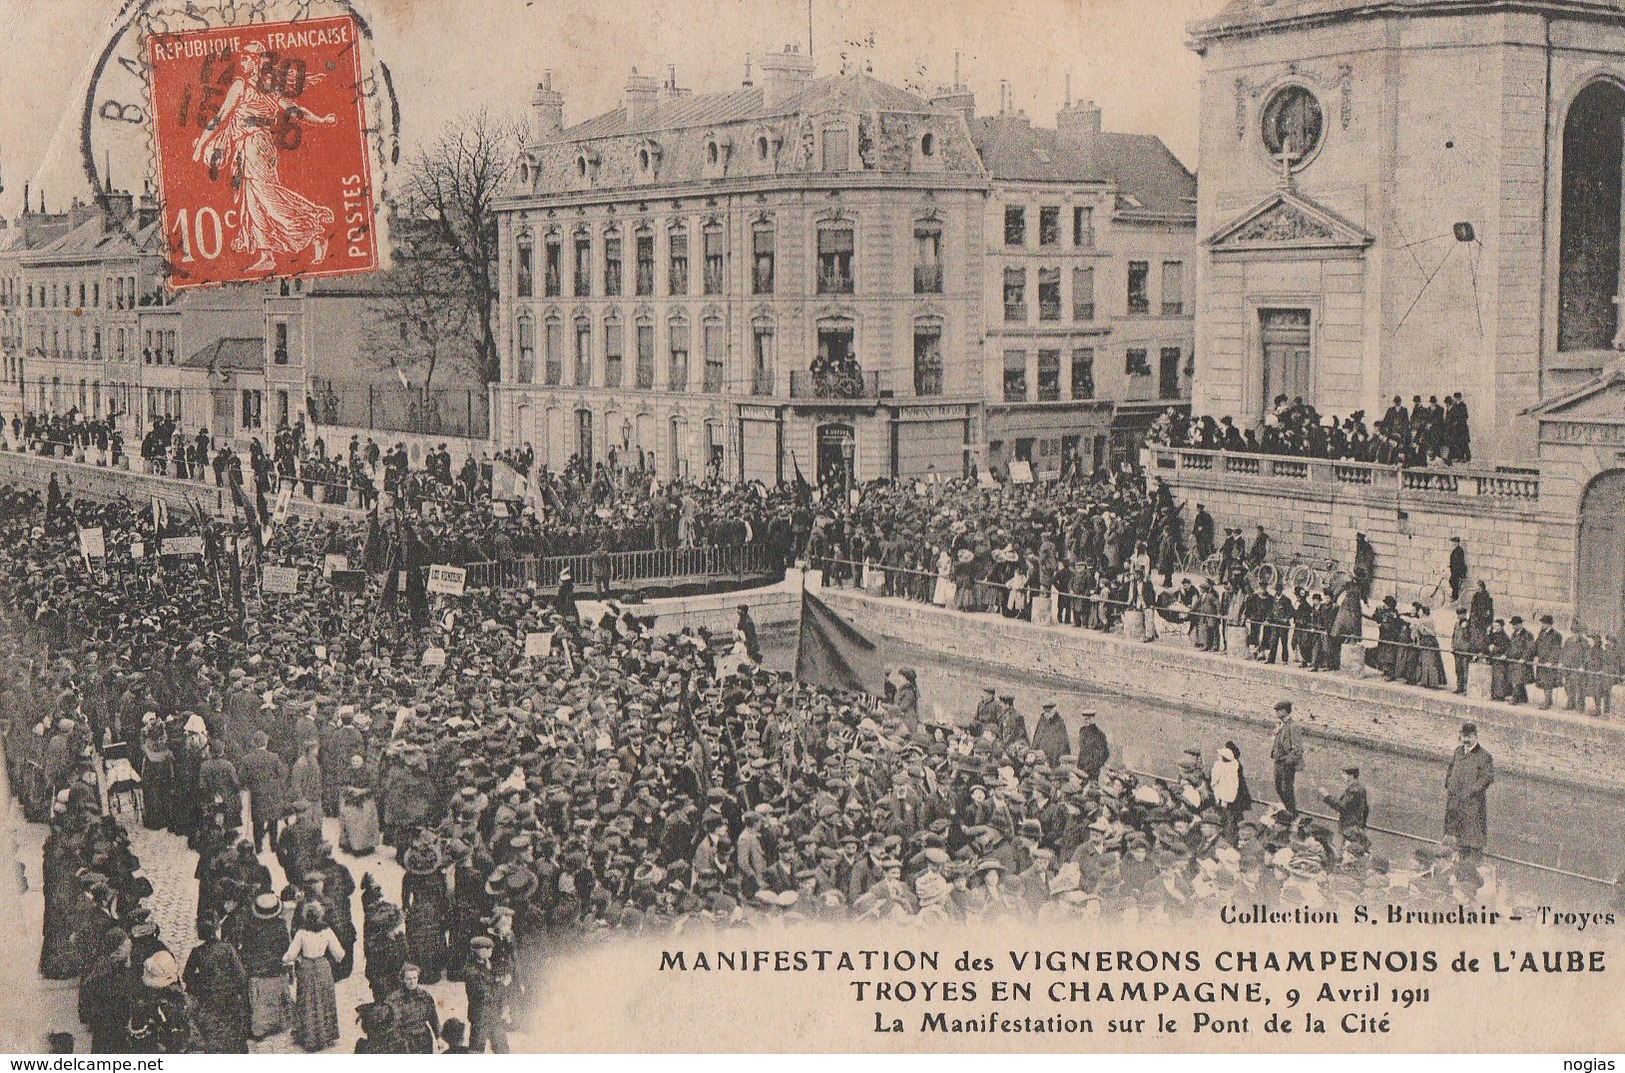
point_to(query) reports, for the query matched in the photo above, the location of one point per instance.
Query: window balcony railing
(834, 384)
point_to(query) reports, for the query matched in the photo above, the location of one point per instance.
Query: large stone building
(786, 274)
(1090, 243)
(809, 272)
(1419, 197)
(71, 284)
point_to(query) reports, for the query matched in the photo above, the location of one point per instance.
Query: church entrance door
(1599, 603)
(1287, 348)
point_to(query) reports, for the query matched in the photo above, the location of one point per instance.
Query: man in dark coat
(1466, 643)
(1458, 568)
(1466, 786)
(1286, 753)
(265, 777)
(1353, 805)
(486, 984)
(1520, 661)
(1202, 532)
(1482, 608)
(1548, 653)
(1049, 736)
(1093, 750)
(416, 1019)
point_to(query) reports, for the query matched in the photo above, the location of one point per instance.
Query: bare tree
(451, 189)
(422, 321)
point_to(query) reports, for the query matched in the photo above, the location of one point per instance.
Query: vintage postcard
(1072, 526)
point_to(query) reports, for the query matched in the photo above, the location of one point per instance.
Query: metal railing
(834, 384)
(1501, 484)
(654, 564)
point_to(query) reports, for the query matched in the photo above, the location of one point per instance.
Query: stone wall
(1557, 747)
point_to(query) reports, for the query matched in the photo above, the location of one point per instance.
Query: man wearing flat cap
(1352, 806)
(1286, 753)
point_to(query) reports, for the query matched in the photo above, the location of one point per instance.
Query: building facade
(1090, 243)
(73, 284)
(1419, 199)
(783, 276)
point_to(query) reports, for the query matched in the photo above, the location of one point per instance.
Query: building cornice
(745, 186)
(1243, 19)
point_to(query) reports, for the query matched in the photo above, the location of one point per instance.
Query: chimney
(1080, 120)
(784, 74)
(959, 98)
(146, 208)
(546, 111)
(642, 92)
(748, 83)
(117, 204)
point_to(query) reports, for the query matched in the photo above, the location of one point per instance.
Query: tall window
(1083, 373)
(526, 373)
(583, 280)
(927, 361)
(583, 355)
(1015, 225)
(552, 358)
(677, 268)
(761, 364)
(1173, 288)
(1168, 373)
(928, 258)
(1015, 376)
(715, 351)
(279, 342)
(551, 268)
(761, 276)
(646, 263)
(614, 354)
(1083, 294)
(253, 409)
(612, 264)
(837, 149)
(712, 240)
(835, 259)
(524, 280)
(1139, 295)
(1083, 225)
(1015, 294)
(1049, 225)
(645, 371)
(677, 380)
(1049, 294)
(1049, 375)
(1136, 362)
(169, 348)
(122, 340)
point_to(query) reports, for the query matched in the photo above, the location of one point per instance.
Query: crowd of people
(620, 783)
(1425, 434)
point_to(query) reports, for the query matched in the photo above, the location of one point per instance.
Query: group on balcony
(1427, 434)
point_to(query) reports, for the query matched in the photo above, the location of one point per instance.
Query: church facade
(1418, 197)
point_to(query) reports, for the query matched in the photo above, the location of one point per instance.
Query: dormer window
(712, 154)
(648, 159)
(581, 165)
(928, 144)
(762, 147)
(643, 159)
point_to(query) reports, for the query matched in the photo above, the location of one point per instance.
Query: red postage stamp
(263, 169)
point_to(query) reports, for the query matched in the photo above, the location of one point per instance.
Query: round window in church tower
(1292, 125)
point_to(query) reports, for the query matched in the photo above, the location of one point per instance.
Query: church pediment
(1286, 220)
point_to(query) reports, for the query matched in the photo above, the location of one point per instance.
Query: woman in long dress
(311, 954)
(358, 812)
(215, 979)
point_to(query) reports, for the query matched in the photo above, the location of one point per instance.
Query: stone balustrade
(1513, 485)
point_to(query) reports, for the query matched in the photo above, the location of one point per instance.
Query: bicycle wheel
(1300, 577)
(1338, 580)
(1213, 566)
(1265, 575)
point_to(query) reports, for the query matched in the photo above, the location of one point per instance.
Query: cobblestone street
(170, 865)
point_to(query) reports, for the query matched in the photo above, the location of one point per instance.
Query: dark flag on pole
(831, 653)
(234, 479)
(803, 489)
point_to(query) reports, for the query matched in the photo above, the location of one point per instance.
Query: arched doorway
(1589, 249)
(1599, 575)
